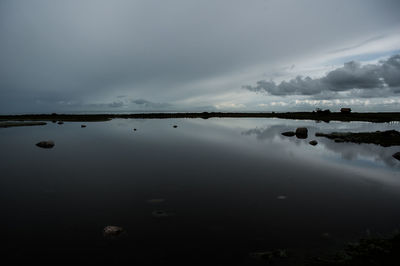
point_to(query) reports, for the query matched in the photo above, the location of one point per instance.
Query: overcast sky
(183, 55)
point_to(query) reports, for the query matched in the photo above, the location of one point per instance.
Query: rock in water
(161, 213)
(397, 156)
(302, 133)
(288, 134)
(60, 123)
(83, 126)
(313, 142)
(154, 201)
(175, 126)
(45, 144)
(112, 230)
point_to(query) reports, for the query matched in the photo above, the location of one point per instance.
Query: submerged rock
(83, 126)
(60, 123)
(288, 134)
(112, 230)
(302, 133)
(313, 142)
(326, 235)
(175, 126)
(270, 255)
(134, 129)
(366, 251)
(161, 213)
(397, 156)
(154, 201)
(46, 144)
(382, 138)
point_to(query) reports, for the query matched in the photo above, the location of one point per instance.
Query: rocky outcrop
(302, 133)
(382, 138)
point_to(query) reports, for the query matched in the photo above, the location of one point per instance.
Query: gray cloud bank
(370, 79)
(124, 103)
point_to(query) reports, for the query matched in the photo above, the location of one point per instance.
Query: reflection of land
(382, 138)
(351, 151)
(267, 133)
(348, 151)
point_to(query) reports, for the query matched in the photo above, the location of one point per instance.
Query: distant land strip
(334, 116)
(21, 124)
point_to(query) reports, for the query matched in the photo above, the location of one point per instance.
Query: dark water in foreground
(230, 187)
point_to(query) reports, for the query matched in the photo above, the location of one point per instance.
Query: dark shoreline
(367, 117)
(20, 124)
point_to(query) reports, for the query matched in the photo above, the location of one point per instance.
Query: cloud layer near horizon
(352, 76)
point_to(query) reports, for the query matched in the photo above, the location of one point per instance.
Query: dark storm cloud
(298, 85)
(371, 78)
(391, 71)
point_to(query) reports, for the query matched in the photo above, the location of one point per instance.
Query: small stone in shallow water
(60, 123)
(270, 255)
(155, 201)
(46, 144)
(134, 129)
(288, 134)
(160, 214)
(326, 235)
(112, 230)
(83, 126)
(313, 142)
(397, 156)
(175, 126)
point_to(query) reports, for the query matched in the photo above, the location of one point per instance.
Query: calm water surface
(229, 187)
